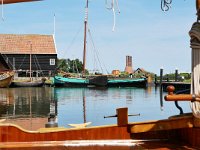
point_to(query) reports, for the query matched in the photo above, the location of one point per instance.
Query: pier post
(155, 79)
(161, 75)
(122, 116)
(176, 75)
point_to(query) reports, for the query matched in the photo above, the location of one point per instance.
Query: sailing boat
(95, 80)
(90, 81)
(6, 74)
(30, 82)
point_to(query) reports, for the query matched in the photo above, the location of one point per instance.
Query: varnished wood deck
(98, 145)
(161, 134)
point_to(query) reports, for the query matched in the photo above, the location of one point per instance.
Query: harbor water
(31, 107)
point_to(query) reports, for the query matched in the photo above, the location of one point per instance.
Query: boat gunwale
(56, 129)
(129, 125)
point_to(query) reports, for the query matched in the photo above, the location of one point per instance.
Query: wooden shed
(25, 51)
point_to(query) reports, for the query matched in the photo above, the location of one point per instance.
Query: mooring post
(167, 77)
(155, 79)
(161, 75)
(161, 88)
(176, 75)
(122, 116)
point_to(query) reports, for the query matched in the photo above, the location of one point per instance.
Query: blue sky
(152, 37)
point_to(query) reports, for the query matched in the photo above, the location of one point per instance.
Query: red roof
(22, 43)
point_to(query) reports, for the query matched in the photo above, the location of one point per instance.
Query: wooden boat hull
(70, 82)
(6, 79)
(141, 82)
(93, 81)
(180, 129)
(99, 81)
(28, 84)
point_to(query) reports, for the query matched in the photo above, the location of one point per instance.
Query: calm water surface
(30, 107)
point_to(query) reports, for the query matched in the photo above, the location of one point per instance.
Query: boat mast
(85, 36)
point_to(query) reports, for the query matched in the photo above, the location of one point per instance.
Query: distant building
(116, 72)
(129, 67)
(18, 50)
(140, 71)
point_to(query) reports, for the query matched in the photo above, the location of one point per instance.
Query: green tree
(62, 65)
(68, 65)
(75, 66)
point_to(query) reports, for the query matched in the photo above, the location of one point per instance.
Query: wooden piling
(122, 116)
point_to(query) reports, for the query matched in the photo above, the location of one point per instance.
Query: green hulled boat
(99, 81)
(127, 82)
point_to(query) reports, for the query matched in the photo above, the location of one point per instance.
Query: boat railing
(182, 95)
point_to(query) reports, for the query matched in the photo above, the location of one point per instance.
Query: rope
(37, 64)
(2, 14)
(195, 83)
(8, 60)
(73, 40)
(166, 5)
(21, 63)
(97, 52)
(113, 4)
(76, 67)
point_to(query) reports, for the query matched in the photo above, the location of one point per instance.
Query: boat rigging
(113, 5)
(96, 80)
(85, 39)
(166, 5)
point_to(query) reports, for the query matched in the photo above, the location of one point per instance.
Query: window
(52, 62)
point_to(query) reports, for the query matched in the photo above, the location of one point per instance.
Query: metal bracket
(187, 91)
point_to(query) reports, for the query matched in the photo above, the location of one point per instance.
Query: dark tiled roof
(21, 44)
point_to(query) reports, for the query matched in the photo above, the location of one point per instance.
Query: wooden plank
(13, 133)
(169, 124)
(98, 145)
(73, 143)
(191, 136)
(181, 97)
(196, 122)
(122, 116)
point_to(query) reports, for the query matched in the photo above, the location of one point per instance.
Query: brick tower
(129, 67)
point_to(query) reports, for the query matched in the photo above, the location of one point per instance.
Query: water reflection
(84, 107)
(30, 107)
(27, 107)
